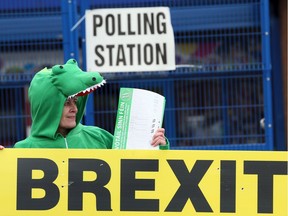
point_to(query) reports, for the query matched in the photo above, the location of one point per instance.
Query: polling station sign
(129, 39)
(142, 182)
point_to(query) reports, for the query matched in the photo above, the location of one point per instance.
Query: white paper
(140, 114)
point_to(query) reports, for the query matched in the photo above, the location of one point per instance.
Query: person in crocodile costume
(58, 99)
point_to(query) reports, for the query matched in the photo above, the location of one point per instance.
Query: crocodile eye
(93, 78)
(61, 67)
(74, 60)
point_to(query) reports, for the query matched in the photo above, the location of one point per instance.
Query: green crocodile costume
(48, 92)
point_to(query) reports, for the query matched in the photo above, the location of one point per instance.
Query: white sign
(129, 39)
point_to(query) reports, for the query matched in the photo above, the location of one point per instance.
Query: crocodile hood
(49, 90)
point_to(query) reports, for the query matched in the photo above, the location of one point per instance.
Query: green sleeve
(165, 147)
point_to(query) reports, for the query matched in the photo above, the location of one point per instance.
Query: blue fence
(216, 98)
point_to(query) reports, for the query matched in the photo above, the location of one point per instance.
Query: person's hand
(1, 147)
(159, 138)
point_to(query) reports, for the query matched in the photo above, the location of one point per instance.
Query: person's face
(68, 119)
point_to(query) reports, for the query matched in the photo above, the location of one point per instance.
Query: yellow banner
(134, 182)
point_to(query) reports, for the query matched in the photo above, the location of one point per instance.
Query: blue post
(70, 38)
(267, 86)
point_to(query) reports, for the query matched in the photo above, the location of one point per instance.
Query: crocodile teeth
(88, 90)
